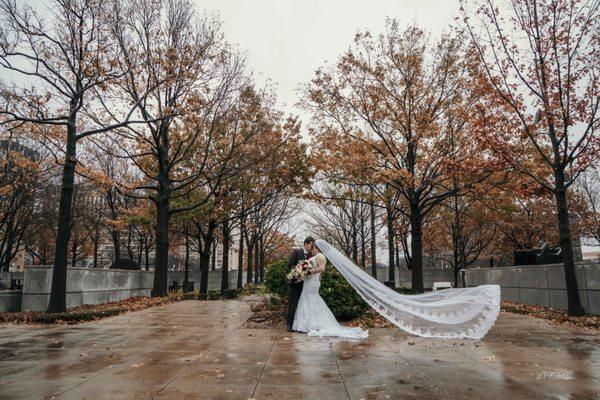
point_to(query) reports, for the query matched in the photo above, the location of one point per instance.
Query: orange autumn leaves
(401, 112)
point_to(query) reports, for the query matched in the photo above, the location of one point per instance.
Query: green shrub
(230, 293)
(276, 278)
(403, 290)
(214, 294)
(340, 297)
(202, 296)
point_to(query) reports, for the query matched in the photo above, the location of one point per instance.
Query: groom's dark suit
(294, 289)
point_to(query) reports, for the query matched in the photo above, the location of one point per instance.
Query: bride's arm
(321, 263)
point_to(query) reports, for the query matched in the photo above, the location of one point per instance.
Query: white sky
(286, 40)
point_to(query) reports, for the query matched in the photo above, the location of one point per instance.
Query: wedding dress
(313, 315)
(452, 313)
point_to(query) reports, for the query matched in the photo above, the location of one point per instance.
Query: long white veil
(454, 313)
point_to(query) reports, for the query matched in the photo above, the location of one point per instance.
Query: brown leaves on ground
(369, 320)
(88, 312)
(268, 312)
(558, 317)
(373, 320)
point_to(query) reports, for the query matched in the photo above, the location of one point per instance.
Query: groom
(294, 289)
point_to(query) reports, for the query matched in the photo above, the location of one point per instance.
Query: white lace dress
(314, 317)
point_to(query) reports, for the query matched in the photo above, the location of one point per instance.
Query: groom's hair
(309, 240)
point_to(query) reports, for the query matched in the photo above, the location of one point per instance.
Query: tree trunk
(240, 274)
(161, 259)
(129, 247)
(456, 271)
(116, 243)
(147, 256)
(204, 268)
(390, 231)
(58, 292)
(456, 265)
(96, 240)
(186, 264)
(74, 253)
(163, 216)
(363, 244)
(373, 243)
(261, 260)
(458, 251)
(354, 244)
(213, 264)
(208, 239)
(256, 263)
(6, 253)
(249, 262)
(416, 248)
(566, 247)
(225, 266)
(140, 250)
(397, 251)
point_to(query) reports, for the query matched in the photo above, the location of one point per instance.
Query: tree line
(148, 104)
(482, 141)
(466, 147)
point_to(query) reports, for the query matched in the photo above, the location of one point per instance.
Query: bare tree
(19, 173)
(64, 54)
(541, 55)
(588, 186)
(188, 77)
(387, 103)
(343, 217)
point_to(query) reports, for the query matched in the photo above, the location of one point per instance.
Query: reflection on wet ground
(196, 350)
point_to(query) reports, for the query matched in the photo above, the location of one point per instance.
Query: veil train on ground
(453, 313)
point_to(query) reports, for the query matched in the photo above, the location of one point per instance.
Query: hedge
(276, 278)
(340, 297)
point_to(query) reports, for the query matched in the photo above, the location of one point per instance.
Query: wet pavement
(197, 350)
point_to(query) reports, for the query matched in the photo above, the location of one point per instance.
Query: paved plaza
(198, 350)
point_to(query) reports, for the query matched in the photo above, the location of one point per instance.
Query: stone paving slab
(198, 350)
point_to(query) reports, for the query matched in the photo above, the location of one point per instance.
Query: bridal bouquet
(301, 271)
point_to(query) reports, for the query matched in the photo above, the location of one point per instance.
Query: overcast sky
(286, 40)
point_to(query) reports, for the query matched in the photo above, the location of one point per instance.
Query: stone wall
(404, 276)
(96, 286)
(542, 285)
(7, 276)
(214, 278)
(85, 286)
(10, 300)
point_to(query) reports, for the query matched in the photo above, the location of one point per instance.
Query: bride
(312, 314)
(454, 313)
